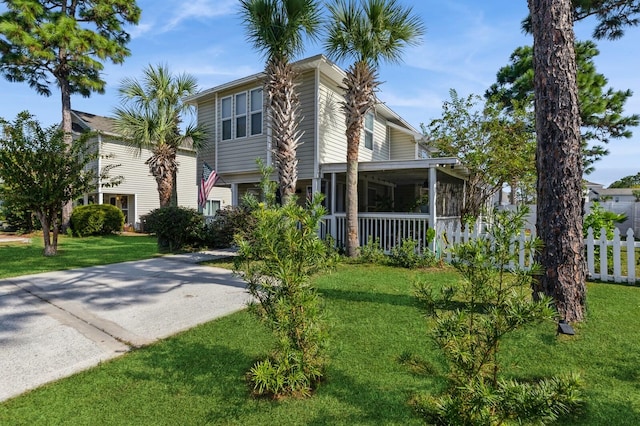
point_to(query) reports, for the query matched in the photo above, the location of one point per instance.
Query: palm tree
(368, 32)
(150, 118)
(278, 28)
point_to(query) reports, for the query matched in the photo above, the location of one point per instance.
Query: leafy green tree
(601, 108)
(41, 172)
(66, 40)
(632, 181)
(558, 158)
(495, 145)
(277, 28)
(369, 32)
(470, 319)
(150, 117)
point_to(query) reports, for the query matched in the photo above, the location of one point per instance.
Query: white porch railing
(389, 228)
(607, 260)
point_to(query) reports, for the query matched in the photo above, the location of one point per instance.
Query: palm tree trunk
(360, 84)
(163, 165)
(284, 114)
(558, 158)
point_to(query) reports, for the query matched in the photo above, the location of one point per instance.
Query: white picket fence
(603, 264)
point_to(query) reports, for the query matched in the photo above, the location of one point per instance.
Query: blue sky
(467, 41)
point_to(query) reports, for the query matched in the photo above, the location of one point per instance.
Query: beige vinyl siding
(306, 151)
(332, 127)
(403, 146)
(187, 189)
(206, 119)
(138, 180)
(238, 155)
(333, 148)
(380, 151)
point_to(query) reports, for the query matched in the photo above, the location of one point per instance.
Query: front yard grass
(198, 377)
(19, 258)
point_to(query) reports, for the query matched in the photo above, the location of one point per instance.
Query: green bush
(177, 228)
(96, 219)
(407, 255)
(228, 222)
(372, 252)
(276, 257)
(469, 320)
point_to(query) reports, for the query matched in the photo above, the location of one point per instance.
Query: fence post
(617, 270)
(631, 257)
(590, 255)
(604, 265)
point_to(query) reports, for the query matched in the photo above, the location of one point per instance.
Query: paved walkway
(58, 323)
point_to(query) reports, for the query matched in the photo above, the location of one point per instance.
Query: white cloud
(199, 9)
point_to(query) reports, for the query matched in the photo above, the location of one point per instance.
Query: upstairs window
(225, 114)
(368, 130)
(241, 115)
(256, 112)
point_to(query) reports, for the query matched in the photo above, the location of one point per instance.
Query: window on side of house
(368, 130)
(241, 115)
(256, 111)
(211, 208)
(225, 115)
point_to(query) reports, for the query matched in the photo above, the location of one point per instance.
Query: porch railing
(388, 228)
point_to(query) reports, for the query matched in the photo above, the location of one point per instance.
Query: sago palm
(278, 28)
(368, 32)
(150, 117)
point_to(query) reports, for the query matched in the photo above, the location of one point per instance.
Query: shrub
(372, 252)
(227, 223)
(276, 257)
(18, 219)
(407, 255)
(177, 228)
(96, 219)
(470, 319)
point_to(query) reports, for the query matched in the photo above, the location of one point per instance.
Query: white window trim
(253, 112)
(223, 119)
(369, 131)
(248, 115)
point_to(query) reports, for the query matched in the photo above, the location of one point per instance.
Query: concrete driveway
(58, 323)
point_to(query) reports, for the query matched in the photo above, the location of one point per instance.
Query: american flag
(209, 179)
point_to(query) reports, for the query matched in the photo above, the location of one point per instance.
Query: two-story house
(400, 186)
(137, 194)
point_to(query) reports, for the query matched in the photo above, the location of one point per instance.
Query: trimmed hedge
(96, 219)
(177, 228)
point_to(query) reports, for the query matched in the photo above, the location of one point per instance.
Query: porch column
(234, 194)
(432, 204)
(332, 207)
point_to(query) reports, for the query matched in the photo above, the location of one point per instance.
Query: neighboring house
(137, 194)
(398, 181)
(617, 200)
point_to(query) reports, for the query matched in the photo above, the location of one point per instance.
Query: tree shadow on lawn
(369, 297)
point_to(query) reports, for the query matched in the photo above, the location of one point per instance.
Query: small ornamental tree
(42, 173)
(469, 321)
(276, 257)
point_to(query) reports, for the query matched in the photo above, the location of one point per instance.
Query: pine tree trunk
(67, 128)
(558, 158)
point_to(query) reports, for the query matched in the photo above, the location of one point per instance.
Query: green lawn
(197, 377)
(20, 258)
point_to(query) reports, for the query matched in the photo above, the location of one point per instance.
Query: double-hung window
(241, 115)
(225, 114)
(256, 111)
(368, 130)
